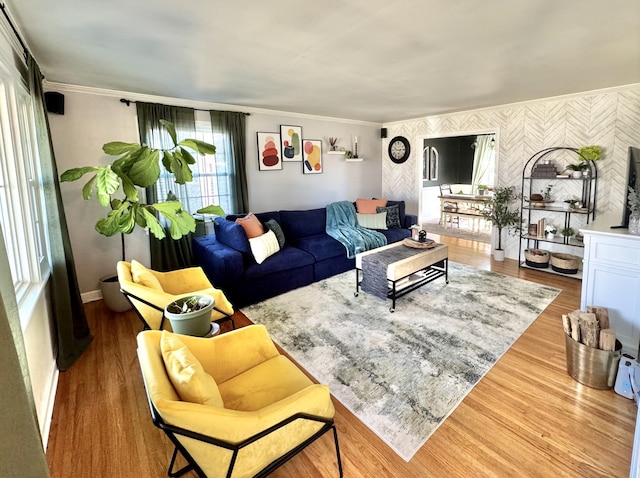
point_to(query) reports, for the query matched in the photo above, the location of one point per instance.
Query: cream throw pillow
(373, 221)
(143, 276)
(264, 246)
(188, 377)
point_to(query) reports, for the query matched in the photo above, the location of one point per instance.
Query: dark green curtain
(232, 125)
(21, 452)
(166, 254)
(70, 322)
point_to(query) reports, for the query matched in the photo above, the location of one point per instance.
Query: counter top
(602, 226)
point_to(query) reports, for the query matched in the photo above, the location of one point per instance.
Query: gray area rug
(403, 373)
(464, 231)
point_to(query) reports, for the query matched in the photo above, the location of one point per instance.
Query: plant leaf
(107, 183)
(86, 190)
(180, 168)
(171, 129)
(167, 158)
(152, 223)
(146, 170)
(212, 209)
(199, 146)
(128, 187)
(76, 173)
(180, 222)
(116, 148)
(186, 155)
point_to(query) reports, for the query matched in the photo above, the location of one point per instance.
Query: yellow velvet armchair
(232, 405)
(150, 292)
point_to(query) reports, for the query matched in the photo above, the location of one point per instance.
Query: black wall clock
(399, 149)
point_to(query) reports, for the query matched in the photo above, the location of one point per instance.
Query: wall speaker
(54, 102)
(383, 132)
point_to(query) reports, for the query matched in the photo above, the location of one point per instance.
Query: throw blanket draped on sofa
(342, 225)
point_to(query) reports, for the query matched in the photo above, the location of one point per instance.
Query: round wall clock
(399, 149)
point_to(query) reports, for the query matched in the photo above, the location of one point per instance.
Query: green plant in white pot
(116, 186)
(498, 211)
(191, 314)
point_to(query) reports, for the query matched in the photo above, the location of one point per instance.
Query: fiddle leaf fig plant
(139, 166)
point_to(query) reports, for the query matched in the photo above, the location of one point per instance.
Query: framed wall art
(312, 155)
(291, 142)
(269, 156)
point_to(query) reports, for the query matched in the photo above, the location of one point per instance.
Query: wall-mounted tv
(633, 170)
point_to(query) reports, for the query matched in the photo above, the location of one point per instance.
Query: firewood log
(589, 331)
(575, 327)
(608, 339)
(602, 314)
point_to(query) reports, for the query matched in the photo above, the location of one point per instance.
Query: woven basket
(565, 263)
(537, 257)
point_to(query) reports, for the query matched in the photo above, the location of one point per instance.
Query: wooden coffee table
(406, 269)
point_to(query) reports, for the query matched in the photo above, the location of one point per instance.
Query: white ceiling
(370, 60)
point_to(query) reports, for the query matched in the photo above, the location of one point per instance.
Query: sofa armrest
(223, 265)
(410, 220)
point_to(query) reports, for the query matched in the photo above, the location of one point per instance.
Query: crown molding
(568, 96)
(204, 105)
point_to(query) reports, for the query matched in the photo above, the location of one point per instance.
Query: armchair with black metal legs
(149, 292)
(232, 405)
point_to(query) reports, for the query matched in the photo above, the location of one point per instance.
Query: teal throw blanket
(342, 225)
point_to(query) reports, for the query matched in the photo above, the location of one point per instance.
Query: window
(211, 178)
(21, 203)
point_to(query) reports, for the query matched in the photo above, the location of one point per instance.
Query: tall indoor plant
(116, 188)
(498, 211)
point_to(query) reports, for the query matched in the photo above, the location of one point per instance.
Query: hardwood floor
(526, 417)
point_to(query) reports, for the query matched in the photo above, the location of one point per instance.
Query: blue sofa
(308, 255)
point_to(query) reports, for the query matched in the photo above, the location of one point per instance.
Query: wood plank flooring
(526, 417)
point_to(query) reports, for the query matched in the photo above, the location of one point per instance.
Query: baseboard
(45, 427)
(91, 296)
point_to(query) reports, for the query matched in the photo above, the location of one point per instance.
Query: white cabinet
(611, 278)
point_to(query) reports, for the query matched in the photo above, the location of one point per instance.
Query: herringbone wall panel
(609, 118)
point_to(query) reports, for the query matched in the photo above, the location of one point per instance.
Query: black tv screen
(633, 169)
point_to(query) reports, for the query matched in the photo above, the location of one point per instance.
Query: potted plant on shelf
(482, 189)
(191, 314)
(138, 166)
(571, 203)
(498, 211)
(568, 232)
(577, 169)
(550, 231)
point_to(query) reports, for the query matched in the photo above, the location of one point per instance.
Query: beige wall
(609, 118)
(93, 118)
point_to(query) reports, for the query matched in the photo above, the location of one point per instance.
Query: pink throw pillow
(251, 225)
(368, 206)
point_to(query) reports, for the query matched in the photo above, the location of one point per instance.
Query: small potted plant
(482, 189)
(550, 231)
(547, 192)
(191, 314)
(577, 169)
(571, 203)
(568, 232)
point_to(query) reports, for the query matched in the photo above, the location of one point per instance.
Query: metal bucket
(592, 367)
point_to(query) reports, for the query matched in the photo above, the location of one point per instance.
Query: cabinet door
(616, 289)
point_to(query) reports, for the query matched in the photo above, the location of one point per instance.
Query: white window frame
(21, 195)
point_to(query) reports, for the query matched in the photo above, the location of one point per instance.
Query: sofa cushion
(232, 235)
(299, 224)
(372, 221)
(272, 225)
(321, 247)
(393, 216)
(287, 259)
(264, 246)
(401, 210)
(143, 276)
(368, 206)
(395, 235)
(187, 376)
(251, 225)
